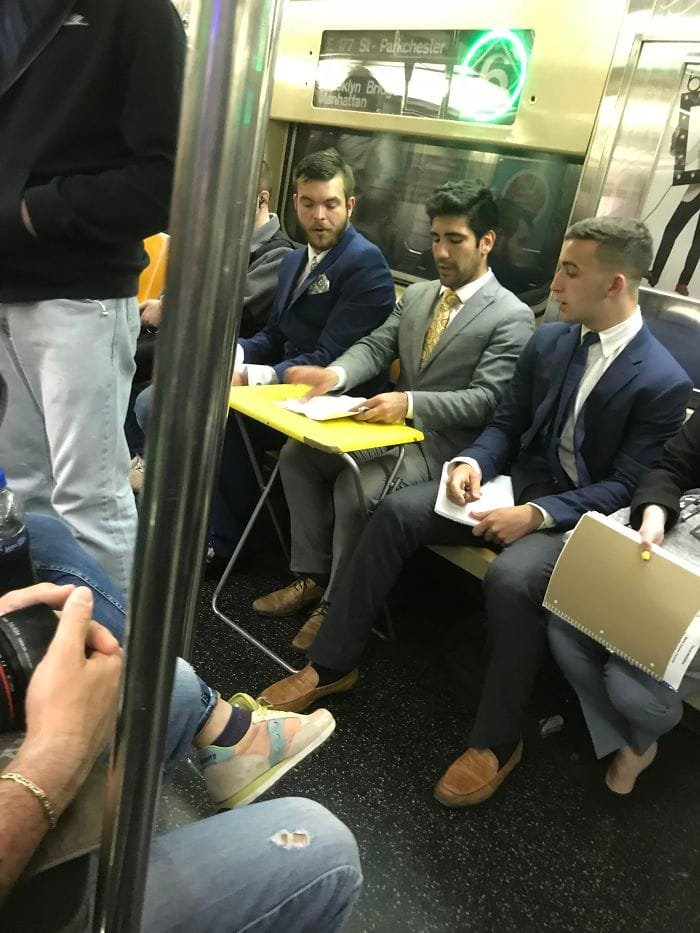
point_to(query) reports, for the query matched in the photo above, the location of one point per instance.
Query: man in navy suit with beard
(331, 293)
(593, 399)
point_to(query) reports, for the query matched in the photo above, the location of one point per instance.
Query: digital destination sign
(472, 75)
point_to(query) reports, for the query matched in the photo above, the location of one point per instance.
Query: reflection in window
(369, 87)
(426, 90)
(396, 174)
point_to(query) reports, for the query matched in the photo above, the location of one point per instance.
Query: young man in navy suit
(592, 401)
(330, 294)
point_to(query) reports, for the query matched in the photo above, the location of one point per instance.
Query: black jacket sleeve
(131, 200)
(679, 470)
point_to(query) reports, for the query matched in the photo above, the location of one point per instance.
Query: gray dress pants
(622, 704)
(326, 517)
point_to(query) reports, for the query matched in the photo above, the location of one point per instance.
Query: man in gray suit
(457, 341)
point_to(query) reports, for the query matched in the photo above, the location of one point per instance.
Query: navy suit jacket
(314, 328)
(637, 404)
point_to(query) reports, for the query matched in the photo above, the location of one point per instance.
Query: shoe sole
(483, 793)
(258, 787)
(344, 685)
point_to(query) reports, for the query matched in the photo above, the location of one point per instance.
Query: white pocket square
(319, 287)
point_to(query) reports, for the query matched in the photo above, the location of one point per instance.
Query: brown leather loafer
(474, 777)
(298, 691)
(306, 635)
(302, 594)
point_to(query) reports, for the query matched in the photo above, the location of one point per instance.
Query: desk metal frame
(265, 489)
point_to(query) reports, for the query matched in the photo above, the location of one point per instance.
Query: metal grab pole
(257, 111)
(224, 113)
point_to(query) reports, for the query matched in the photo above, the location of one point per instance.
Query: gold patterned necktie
(449, 300)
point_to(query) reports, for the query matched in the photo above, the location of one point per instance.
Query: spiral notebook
(648, 612)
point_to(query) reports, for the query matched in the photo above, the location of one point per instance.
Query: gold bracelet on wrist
(46, 804)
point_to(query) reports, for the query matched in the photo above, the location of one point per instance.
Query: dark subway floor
(552, 851)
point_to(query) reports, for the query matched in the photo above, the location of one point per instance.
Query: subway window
(396, 174)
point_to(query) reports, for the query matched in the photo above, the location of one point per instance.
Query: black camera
(24, 637)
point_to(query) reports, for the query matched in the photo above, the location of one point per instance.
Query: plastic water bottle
(16, 568)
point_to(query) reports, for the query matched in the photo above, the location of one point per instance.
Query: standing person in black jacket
(89, 107)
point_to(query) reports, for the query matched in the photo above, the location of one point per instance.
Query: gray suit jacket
(456, 392)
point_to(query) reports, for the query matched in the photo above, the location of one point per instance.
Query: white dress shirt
(464, 292)
(258, 373)
(600, 357)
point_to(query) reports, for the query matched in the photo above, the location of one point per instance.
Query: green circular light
(520, 52)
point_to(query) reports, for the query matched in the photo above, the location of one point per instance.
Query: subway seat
(475, 560)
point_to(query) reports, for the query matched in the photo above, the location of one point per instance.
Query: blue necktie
(567, 396)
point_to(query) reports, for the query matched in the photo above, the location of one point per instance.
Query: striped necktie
(449, 300)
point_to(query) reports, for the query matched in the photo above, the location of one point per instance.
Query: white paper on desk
(239, 360)
(323, 407)
(496, 494)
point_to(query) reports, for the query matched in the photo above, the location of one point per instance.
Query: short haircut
(624, 244)
(265, 178)
(459, 199)
(324, 166)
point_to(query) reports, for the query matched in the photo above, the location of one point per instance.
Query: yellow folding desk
(341, 436)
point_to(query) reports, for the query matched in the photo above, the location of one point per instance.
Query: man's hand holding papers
(386, 408)
(489, 510)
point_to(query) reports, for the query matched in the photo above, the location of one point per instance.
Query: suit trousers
(622, 704)
(326, 517)
(513, 591)
(68, 365)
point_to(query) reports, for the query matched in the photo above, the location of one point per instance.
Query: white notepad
(323, 407)
(496, 494)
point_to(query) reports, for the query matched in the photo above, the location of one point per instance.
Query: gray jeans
(68, 364)
(622, 704)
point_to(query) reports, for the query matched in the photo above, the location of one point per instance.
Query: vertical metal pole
(257, 110)
(224, 113)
